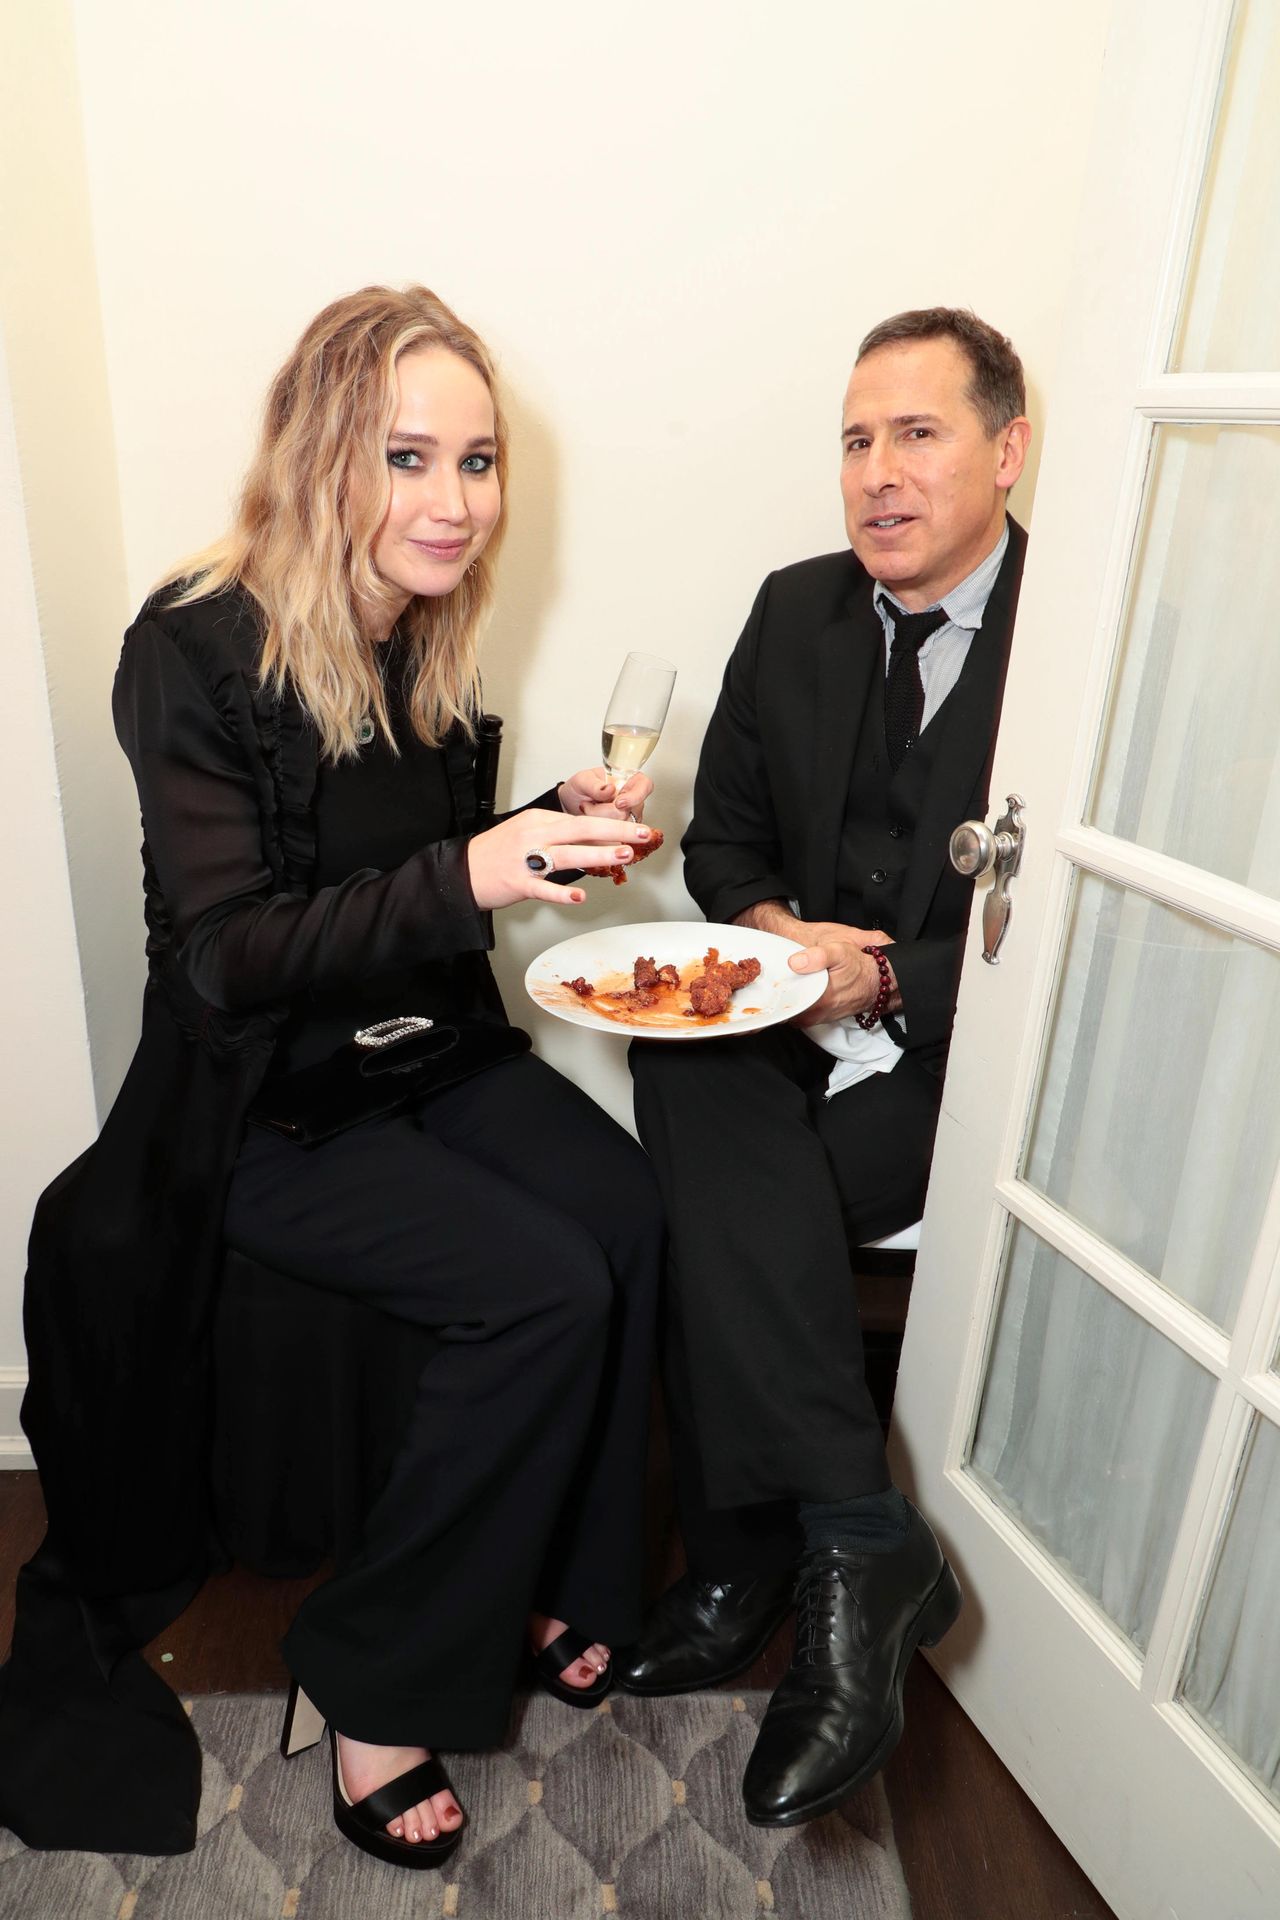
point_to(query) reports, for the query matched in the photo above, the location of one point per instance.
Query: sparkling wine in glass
(636, 712)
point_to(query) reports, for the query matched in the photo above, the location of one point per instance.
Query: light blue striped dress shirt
(944, 652)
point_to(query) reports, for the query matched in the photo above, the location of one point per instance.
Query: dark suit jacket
(773, 778)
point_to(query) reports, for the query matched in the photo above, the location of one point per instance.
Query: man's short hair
(997, 388)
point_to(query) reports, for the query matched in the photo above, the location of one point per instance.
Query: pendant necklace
(365, 728)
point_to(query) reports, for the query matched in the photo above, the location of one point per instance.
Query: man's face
(924, 487)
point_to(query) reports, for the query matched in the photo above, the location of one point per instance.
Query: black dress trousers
(767, 1186)
(517, 1220)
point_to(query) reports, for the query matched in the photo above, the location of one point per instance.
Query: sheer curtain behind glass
(1231, 321)
(1157, 1124)
(1088, 1431)
(1232, 1678)
(1191, 760)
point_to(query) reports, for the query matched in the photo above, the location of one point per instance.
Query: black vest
(880, 818)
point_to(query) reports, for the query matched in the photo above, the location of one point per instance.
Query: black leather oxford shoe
(702, 1631)
(837, 1715)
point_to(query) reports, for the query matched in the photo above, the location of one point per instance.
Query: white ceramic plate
(606, 953)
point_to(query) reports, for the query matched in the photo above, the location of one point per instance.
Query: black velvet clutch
(381, 1069)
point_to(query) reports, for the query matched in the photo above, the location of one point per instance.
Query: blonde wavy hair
(312, 506)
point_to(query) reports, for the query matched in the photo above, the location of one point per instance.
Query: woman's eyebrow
(429, 439)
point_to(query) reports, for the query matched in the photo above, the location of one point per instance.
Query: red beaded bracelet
(872, 1017)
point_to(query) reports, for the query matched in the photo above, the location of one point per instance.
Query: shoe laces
(816, 1612)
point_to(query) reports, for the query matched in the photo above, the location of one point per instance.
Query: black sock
(867, 1523)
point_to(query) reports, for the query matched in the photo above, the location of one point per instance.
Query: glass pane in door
(1191, 756)
(1156, 1122)
(1088, 1430)
(1231, 317)
(1232, 1675)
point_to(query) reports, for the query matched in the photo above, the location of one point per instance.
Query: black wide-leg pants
(522, 1224)
(767, 1186)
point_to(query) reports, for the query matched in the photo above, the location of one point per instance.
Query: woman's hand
(594, 792)
(496, 858)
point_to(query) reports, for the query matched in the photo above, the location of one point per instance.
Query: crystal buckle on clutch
(385, 1033)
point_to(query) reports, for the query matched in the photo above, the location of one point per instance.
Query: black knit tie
(903, 689)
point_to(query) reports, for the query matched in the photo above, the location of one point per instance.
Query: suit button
(879, 876)
(896, 832)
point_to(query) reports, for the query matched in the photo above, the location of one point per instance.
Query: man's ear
(1014, 441)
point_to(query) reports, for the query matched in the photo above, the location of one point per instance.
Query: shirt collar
(966, 603)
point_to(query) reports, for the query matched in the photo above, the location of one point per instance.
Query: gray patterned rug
(631, 1810)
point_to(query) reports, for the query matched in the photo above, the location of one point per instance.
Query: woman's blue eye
(406, 460)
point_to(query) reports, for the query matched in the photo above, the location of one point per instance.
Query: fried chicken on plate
(712, 990)
(709, 991)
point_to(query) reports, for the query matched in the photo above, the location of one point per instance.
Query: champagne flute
(636, 712)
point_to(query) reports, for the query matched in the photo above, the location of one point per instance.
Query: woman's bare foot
(583, 1672)
(363, 1769)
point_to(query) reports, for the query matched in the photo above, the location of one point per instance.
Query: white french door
(1089, 1400)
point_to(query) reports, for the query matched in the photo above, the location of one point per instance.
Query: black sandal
(561, 1653)
(364, 1822)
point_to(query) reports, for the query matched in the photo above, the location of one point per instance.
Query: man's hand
(854, 978)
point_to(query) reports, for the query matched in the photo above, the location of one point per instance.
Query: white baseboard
(14, 1450)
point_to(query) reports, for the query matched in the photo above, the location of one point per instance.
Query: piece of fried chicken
(649, 975)
(652, 983)
(712, 989)
(617, 872)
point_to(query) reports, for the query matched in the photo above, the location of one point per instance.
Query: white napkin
(858, 1054)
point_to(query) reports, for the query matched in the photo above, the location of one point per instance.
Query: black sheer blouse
(372, 814)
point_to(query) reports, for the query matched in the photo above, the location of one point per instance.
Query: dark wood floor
(973, 1847)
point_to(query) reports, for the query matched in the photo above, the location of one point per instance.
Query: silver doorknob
(977, 849)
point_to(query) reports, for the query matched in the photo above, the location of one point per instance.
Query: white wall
(671, 223)
(44, 1046)
(68, 817)
(62, 422)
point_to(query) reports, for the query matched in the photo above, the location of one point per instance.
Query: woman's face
(445, 497)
